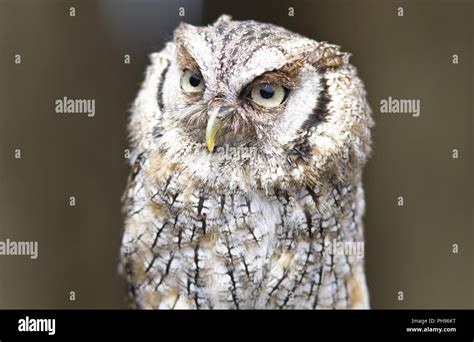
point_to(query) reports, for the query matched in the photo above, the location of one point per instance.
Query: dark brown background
(408, 248)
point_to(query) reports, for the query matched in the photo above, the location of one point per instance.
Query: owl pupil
(267, 91)
(194, 80)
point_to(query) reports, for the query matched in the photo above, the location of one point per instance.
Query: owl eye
(191, 82)
(268, 95)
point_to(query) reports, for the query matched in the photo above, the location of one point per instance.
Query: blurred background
(408, 248)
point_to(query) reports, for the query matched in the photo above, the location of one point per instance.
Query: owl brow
(186, 61)
(286, 76)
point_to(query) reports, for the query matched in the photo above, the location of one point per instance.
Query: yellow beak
(213, 126)
(214, 123)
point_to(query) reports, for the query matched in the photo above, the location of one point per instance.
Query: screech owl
(248, 143)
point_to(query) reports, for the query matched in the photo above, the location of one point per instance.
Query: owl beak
(214, 123)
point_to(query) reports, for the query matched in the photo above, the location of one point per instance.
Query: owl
(247, 148)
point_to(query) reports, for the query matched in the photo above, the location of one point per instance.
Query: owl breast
(195, 247)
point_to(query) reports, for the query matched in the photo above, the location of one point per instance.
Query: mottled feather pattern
(210, 230)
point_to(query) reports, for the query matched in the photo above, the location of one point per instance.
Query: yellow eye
(191, 82)
(268, 95)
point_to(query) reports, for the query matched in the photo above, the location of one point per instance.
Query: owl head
(296, 104)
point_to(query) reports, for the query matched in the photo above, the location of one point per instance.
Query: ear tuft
(328, 56)
(181, 31)
(223, 19)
